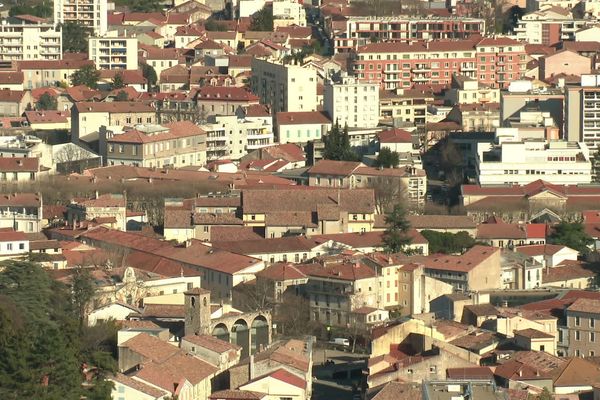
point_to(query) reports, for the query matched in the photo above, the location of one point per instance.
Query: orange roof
(302, 118)
(19, 164)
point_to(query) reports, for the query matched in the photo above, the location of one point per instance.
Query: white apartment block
(230, 137)
(285, 87)
(547, 27)
(582, 116)
(288, 12)
(113, 52)
(29, 41)
(522, 162)
(246, 8)
(351, 102)
(467, 90)
(91, 13)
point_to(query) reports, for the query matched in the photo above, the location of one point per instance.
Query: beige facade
(90, 13)
(285, 87)
(88, 117)
(30, 41)
(112, 52)
(582, 336)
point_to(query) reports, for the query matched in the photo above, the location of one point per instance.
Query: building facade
(22, 40)
(110, 52)
(350, 102)
(90, 13)
(285, 87)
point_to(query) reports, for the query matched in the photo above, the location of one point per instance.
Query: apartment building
(87, 117)
(178, 144)
(90, 13)
(351, 102)
(288, 12)
(13, 244)
(470, 91)
(102, 208)
(343, 174)
(43, 73)
(405, 105)
(582, 107)
(285, 87)
(360, 31)
(479, 268)
(301, 127)
(114, 52)
(523, 162)
(29, 38)
(492, 61)
(20, 169)
(230, 137)
(549, 26)
(582, 336)
(223, 100)
(339, 287)
(21, 211)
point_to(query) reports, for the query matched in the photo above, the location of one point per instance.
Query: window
(577, 321)
(121, 148)
(577, 336)
(592, 336)
(21, 246)
(592, 322)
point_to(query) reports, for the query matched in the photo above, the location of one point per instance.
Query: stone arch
(259, 333)
(221, 332)
(240, 335)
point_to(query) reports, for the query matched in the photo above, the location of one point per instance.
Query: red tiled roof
(113, 107)
(53, 64)
(226, 93)
(179, 129)
(469, 373)
(10, 235)
(533, 334)
(137, 385)
(585, 306)
(564, 272)
(302, 118)
(12, 96)
(395, 136)
(347, 271)
(463, 263)
(47, 116)
(284, 376)
(281, 272)
(332, 167)
(11, 77)
(19, 164)
(268, 246)
(540, 249)
(211, 343)
(236, 394)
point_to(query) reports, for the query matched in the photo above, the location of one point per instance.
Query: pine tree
(396, 237)
(337, 145)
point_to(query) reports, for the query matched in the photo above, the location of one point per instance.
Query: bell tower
(197, 312)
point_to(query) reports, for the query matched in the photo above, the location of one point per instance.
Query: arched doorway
(259, 334)
(221, 332)
(240, 335)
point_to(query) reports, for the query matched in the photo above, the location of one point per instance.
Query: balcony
(421, 78)
(421, 68)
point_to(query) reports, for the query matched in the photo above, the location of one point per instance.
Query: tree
(75, 37)
(337, 145)
(47, 102)
(262, 20)
(596, 165)
(571, 234)
(146, 6)
(43, 10)
(39, 357)
(87, 75)
(117, 81)
(122, 96)
(292, 315)
(82, 292)
(448, 243)
(150, 75)
(388, 190)
(212, 25)
(395, 237)
(387, 158)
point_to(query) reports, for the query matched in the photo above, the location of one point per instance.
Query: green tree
(87, 75)
(448, 243)
(395, 237)
(212, 25)
(337, 145)
(122, 96)
(47, 102)
(145, 5)
(262, 20)
(82, 292)
(117, 81)
(571, 234)
(43, 10)
(150, 75)
(75, 37)
(387, 158)
(596, 165)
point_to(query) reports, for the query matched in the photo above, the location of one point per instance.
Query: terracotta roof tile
(533, 334)
(236, 395)
(281, 272)
(211, 343)
(302, 118)
(585, 306)
(137, 385)
(19, 164)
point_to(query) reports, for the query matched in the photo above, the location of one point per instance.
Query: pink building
(564, 62)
